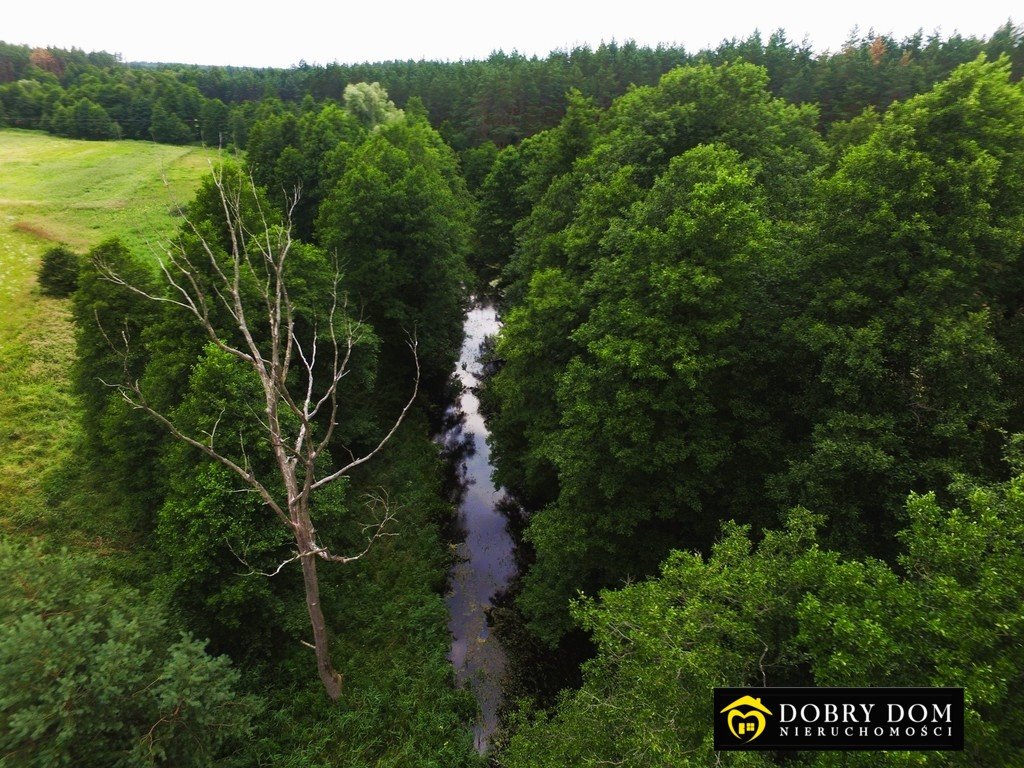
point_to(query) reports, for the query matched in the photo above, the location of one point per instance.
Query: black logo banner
(839, 718)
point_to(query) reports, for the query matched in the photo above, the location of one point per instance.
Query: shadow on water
(486, 552)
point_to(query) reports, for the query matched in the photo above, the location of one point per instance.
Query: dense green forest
(500, 100)
(717, 315)
(758, 398)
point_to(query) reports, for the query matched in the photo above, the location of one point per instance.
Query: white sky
(280, 34)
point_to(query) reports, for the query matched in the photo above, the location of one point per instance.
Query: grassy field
(80, 193)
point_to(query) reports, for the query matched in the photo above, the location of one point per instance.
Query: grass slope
(78, 192)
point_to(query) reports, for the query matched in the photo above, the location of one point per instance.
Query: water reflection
(486, 560)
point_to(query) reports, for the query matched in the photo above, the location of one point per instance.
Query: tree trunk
(321, 644)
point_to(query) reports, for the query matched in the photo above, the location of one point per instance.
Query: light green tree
(369, 103)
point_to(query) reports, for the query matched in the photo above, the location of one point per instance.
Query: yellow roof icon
(747, 701)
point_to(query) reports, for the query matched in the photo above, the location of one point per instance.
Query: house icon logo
(745, 718)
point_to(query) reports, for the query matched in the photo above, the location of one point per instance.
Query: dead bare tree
(256, 259)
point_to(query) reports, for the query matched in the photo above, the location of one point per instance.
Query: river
(485, 562)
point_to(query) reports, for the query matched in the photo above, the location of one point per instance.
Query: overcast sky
(280, 34)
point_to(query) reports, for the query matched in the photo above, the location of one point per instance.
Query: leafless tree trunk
(258, 257)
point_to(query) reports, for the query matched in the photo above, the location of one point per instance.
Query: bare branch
(379, 500)
(139, 403)
(194, 303)
(394, 428)
(212, 433)
(255, 572)
(255, 300)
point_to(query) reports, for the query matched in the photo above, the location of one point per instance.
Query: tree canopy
(786, 611)
(94, 675)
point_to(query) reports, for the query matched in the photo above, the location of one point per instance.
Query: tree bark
(321, 642)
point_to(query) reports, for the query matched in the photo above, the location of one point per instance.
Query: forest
(756, 405)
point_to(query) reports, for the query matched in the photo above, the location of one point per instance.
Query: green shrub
(91, 675)
(58, 272)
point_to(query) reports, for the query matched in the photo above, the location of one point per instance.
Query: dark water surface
(486, 562)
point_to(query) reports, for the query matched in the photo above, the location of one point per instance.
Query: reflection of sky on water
(486, 561)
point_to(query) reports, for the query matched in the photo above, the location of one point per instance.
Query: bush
(58, 273)
(91, 675)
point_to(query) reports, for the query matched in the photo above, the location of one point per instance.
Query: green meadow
(77, 192)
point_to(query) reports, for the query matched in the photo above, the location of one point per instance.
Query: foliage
(656, 441)
(501, 208)
(399, 706)
(911, 309)
(641, 338)
(787, 612)
(504, 98)
(398, 218)
(477, 163)
(953, 619)
(306, 154)
(58, 271)
(168, 128)
(208, 524)
(120, 443)
(84, 119)
(712, 317)
(91, 675)
(369, 104)
(212, 540)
